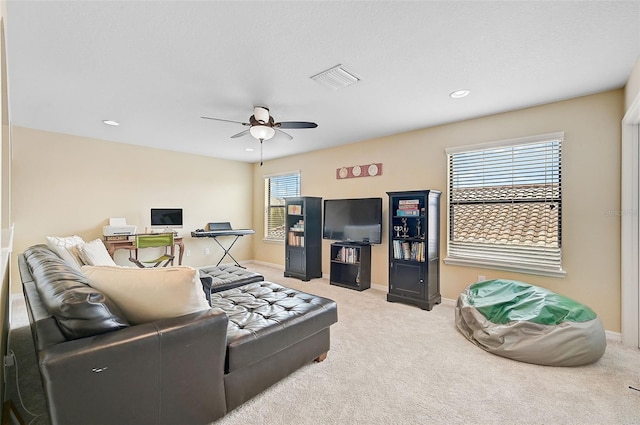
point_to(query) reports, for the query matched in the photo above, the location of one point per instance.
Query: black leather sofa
(96, 368)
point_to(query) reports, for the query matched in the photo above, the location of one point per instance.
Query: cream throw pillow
(146, 295)
(67, 249)
(94, 253)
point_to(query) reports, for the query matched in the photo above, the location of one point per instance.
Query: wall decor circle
(366, 170)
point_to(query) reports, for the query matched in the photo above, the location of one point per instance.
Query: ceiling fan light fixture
(261, 114)
(262, 132)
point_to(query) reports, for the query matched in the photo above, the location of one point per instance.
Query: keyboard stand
(215, 234)
(226, 250)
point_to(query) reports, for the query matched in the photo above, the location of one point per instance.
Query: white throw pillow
(146, 295)
(94, 253)
(67, 249)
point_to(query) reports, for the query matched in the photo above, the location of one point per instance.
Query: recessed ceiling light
(249, 149)
(110, 122)
(458, 94)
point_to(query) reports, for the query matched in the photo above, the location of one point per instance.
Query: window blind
(505, 204)
(276, 189)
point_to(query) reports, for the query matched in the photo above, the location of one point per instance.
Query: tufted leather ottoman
(226, 276)
(270, 324)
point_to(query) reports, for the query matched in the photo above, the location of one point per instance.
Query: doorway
(630, 226)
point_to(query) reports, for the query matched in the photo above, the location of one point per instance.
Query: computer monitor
(166, 218)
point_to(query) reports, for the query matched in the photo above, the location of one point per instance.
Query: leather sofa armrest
(152, 373)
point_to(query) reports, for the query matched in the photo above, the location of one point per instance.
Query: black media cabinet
(350, 265)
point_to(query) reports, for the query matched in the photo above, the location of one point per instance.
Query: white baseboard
(383, 288)
(449, 302)
(615, 337)
(263, 263)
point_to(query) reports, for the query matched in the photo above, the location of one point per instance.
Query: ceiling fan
(263, 127)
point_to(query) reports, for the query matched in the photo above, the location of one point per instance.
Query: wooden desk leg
(181, 248)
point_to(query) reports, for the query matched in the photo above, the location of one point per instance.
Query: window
(276, 188)
(505, 205)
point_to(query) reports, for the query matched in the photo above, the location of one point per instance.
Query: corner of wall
(632, 88)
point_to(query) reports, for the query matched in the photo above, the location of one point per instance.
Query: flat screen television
(353, 220)
(166, 218)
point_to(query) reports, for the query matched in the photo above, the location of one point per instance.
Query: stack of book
(296, 239)
(296, 234)
(408, 208)
(298, 227)
(348, 255)
(413, 251)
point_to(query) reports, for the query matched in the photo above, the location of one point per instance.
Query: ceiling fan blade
(296, 124)
(285, 134)
(242, 133)
(220, 119)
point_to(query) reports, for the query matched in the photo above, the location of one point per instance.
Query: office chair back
(151, 241)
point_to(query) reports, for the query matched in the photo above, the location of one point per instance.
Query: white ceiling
(158, 66)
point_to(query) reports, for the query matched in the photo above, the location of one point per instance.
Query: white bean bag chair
(529, 324)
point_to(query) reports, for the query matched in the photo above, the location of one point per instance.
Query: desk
(113, 246)
(215, 234)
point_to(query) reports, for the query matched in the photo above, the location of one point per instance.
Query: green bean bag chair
(529, 324)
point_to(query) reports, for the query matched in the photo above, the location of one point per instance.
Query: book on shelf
(408, 201)
(295, 239)
(414, 212)
(417, 251)
(348, 255)
(406, 250)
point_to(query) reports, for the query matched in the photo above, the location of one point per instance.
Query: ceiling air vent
(336, 77)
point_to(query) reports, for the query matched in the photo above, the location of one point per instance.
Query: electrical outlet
(188, 252)
(206, 251)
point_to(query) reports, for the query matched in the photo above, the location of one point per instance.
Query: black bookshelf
(414, 248)
(350, 266)
(303, 238)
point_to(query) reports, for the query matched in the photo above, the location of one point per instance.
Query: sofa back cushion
(79, 309)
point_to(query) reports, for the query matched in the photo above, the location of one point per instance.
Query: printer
(118, 227)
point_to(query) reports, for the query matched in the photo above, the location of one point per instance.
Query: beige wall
(417, 160)
(632, 89)
(64, 185)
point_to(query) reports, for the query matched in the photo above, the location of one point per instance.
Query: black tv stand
(350, 265)
(354, 243)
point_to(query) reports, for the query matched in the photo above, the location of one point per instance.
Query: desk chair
(150, 241)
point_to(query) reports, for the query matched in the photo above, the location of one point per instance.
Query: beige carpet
(393, 363)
